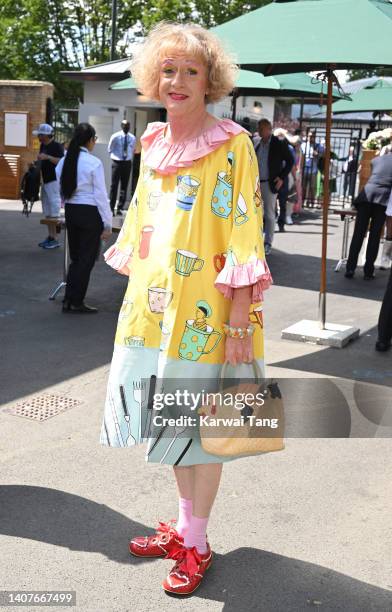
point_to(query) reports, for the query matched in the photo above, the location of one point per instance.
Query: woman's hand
(239, 350)
(106, 234)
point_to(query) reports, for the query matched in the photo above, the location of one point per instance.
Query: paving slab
(305, 528)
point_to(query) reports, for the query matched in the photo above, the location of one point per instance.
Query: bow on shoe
(166, 527)
(188, 559)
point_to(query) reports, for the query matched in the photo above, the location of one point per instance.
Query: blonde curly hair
(190, 39)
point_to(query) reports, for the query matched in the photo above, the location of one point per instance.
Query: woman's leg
(376, 224)
(206, 484)
(185, 479)
(73, 235)
(206, 479)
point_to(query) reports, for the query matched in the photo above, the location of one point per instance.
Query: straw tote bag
(244, 419)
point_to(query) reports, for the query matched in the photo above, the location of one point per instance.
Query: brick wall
(30, 97)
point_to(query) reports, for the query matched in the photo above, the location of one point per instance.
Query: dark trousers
(121, 171)
(375, 214)
(84, 227)
(385, 318)
(282, 199)
(349, 183)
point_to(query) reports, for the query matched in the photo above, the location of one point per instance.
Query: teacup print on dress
(136, 341)
(147, 174)
(154, 199)
(240, 216)
(197, 334)
(187, 188)
(257, 197)
(125, 310)
(222, 197)
(159, 298)
(187, 262)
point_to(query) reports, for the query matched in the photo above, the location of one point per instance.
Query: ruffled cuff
(255, 274)
(118, 260)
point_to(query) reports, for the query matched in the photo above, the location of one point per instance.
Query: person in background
(372, 128)
(311, 150)
(385, 319)
(350, 169)
(121, 148)
(50, 153)
(371, 205)
(296, 198)
(285, 208)
(87, 214)
(275, 162)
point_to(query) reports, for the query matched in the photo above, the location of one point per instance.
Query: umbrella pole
(323, 278)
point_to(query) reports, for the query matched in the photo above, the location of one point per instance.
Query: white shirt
(389, 206)
(121, 146)
(91, 187)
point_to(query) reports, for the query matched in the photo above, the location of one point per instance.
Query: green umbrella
(305, 35)
(376, 98)
(301, 85)
(288, 85)
(336, 34)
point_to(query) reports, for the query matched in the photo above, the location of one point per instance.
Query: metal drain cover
(42, 407)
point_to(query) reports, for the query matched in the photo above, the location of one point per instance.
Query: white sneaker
(386, 255)
(267, 249)
(289, 220)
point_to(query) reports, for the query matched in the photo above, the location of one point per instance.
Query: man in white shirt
(385, 319)
(121, 148)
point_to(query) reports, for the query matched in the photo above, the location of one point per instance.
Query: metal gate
(344, 166)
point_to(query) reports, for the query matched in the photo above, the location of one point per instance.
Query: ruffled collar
(166, 158)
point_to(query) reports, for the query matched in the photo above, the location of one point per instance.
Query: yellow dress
(190, 237)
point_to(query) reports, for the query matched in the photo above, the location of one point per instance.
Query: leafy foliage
(41, 38)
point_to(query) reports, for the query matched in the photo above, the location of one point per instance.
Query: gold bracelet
(238, 332)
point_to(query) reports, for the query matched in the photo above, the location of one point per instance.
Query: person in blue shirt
(121, 148)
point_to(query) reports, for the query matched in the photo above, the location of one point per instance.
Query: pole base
(334, 335)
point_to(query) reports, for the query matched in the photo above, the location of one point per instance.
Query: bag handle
(256, 372)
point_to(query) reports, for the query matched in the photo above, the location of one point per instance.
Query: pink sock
(196, 534)
(184, 515)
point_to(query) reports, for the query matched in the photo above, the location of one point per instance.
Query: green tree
(41, 38)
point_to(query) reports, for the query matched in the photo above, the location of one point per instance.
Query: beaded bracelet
(238, 332)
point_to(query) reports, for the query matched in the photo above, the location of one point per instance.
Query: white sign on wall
(15, 129)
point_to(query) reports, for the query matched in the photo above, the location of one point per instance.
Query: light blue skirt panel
(129, 417)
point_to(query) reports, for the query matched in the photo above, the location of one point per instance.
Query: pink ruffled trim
(167, 158)
(118, 260)
(255, 274)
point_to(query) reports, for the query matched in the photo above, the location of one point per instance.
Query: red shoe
(158, 545)
(189, 570)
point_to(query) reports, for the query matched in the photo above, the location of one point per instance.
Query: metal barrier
(344, 166)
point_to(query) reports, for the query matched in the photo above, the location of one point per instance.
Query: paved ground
(306, 528)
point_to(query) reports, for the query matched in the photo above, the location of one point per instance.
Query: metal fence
(344, 166)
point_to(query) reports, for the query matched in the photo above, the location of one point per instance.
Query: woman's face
(91, 143)
(183, 84)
